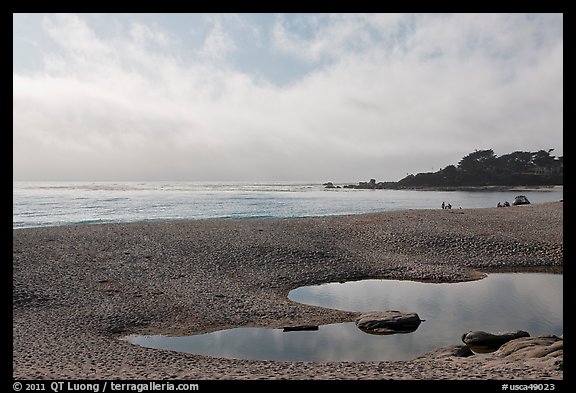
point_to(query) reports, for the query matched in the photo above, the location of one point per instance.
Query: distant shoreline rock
(371, 185)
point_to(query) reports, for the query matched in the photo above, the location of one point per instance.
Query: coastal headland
(77, 290)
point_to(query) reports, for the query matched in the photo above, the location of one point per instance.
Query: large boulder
(484, 342)
(533, 347)
(388, 322)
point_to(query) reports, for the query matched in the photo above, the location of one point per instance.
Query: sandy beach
(77, 290)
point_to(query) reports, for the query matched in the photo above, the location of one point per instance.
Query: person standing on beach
(443, 205)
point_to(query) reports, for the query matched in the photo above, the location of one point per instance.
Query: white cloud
(218, 43)
(73, 34)
(329, 36)
(141, 34)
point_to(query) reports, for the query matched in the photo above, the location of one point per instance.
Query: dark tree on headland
(484, 168)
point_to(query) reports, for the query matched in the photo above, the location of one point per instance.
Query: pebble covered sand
(77, 290)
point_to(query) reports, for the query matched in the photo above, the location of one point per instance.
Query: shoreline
(543, 188)
(78, 289)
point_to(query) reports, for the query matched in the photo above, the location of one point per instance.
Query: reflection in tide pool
(335, 342)
(499, 302)
(504, 301)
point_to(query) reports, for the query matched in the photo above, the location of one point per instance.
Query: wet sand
(77, 290)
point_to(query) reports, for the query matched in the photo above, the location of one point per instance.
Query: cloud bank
(282, 97)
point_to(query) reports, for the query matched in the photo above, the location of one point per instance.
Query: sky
(279, 97)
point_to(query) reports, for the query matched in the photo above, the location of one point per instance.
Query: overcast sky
(314, 97)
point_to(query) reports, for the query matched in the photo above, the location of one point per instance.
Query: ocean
(42, 204)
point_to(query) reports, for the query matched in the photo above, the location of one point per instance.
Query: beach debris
(388, 322)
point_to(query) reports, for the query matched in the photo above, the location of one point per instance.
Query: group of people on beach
(449, 206)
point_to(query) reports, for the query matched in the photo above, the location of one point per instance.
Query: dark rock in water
(484, 342)
(329, 185)
(372, 185)
(388, 322)
(300, 328)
